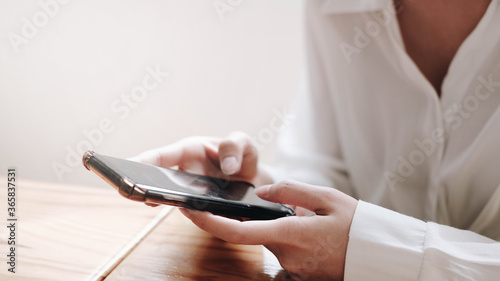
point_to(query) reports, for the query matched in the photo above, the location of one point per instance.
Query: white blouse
(369, 123)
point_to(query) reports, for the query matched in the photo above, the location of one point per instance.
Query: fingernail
(262, 191)
(229, 165)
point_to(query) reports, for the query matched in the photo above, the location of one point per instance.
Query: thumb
(314, 198)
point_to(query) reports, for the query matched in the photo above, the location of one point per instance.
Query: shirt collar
(354, 6)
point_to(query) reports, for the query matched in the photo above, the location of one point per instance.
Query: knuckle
(328, 195)
(282, 187)
(242, 139)
(250, 151)
(286, 184)
(227, 143)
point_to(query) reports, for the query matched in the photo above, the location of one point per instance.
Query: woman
(400, 109)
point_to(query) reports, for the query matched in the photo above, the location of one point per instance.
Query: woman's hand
(309, 248)
(234, 157)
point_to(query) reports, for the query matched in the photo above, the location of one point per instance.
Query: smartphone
(148, 183)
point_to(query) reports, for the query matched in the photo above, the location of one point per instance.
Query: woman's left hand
(308, 247)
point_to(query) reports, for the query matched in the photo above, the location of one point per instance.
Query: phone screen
(175, 180)
(155, 179)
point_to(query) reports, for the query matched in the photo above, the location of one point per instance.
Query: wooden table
(87, 233)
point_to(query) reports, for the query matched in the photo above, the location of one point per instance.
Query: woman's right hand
(234, 157)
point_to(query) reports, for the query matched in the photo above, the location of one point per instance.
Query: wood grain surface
(87, 233)
(71, 232)
(179, 250)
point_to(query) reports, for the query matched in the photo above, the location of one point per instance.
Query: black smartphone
(149, 183)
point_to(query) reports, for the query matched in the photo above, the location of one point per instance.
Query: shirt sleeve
(385, 245)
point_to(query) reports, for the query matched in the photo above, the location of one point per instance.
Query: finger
(236, 153)
(183, 151)
(237, 232)
(166, 156)
(314, 198)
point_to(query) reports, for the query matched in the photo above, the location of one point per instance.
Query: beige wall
(67, 69)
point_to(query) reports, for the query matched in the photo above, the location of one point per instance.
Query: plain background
(225, 74)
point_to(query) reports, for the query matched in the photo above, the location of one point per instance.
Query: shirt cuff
(384, 245)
